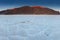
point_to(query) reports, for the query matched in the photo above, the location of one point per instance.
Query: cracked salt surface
(20, 27)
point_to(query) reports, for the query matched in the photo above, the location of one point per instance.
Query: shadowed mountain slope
(30, 10)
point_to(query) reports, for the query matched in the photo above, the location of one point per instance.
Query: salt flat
(29, 27)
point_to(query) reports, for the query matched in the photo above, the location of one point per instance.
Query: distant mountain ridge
(30, 10)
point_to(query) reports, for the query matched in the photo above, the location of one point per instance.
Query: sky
(7, 4)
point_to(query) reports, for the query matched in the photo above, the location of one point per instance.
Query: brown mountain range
(30, 10)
